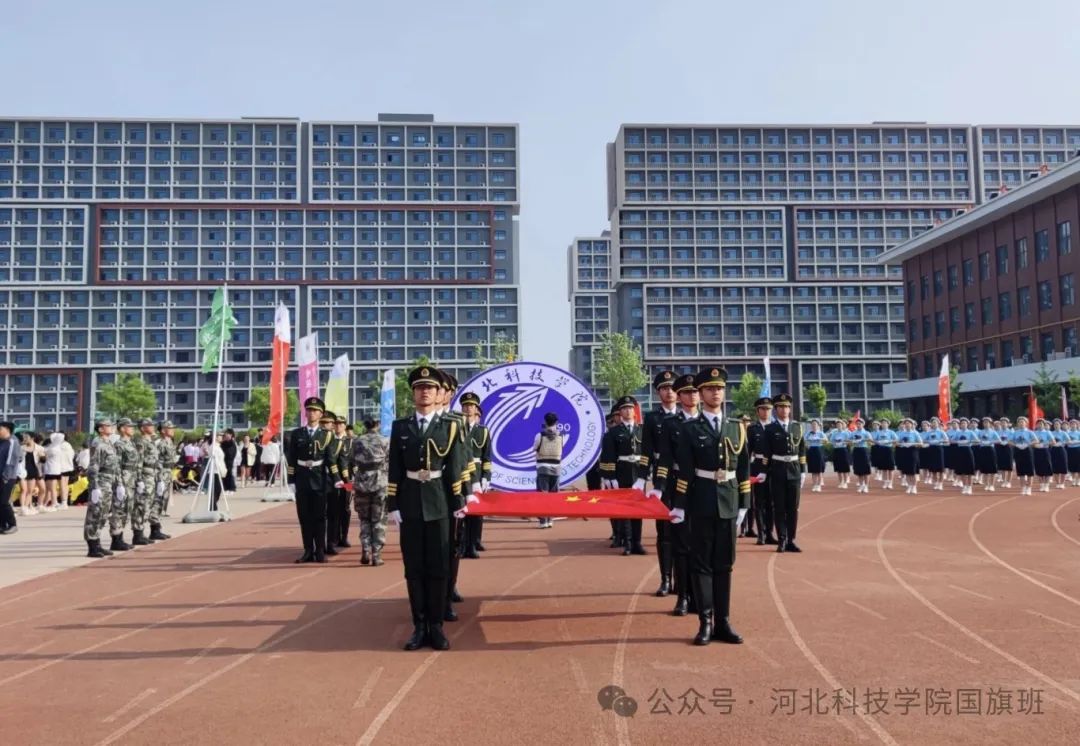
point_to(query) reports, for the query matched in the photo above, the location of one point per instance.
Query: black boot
(157, 534)
(450, 615)
(781, 543)
(682, 605)
(791, 547)
(480, 547)
(307, 556)
(330, 551)
(118, 543)
(722, 632)
(138, 540)
(365, 557)
(471, 553)
(665, 586)
(455, 596)
(419, 635)
(705, 630)
(95, 550)
(637, 549)
(437, 638)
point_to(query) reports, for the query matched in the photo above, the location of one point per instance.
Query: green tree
(955, 384)
(503, 349)
(617, 365)
(817, 397)
(891, 415)
(128, 396)
(844, 415)
(1074, 389)
(744, 395)
(1047, 390)
(257, 408)
(403, 401)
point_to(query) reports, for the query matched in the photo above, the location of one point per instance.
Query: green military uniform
(761, 510)
(713, 483)
(146, 445)
(344, 504)
(368, 467)
(311, 464)
(620, 457)
(129, 472)
(449, 384)
(425, 489)
(651, 438)
(785, 452)
(163, 489)
(478, 444)
(103, 474)
(335, 495)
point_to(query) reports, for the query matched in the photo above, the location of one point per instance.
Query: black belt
(368, 467)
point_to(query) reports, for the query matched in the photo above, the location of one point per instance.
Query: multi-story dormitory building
(732, 242)
(390, 239)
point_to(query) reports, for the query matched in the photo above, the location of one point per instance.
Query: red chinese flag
(637, 414)
(624, 503)
(1035, 412)
(851, 425)
(280, 361)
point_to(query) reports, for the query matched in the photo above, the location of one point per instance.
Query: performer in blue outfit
(985, 456)
(1003, 452)
(815, 455)
(932, 458)
(841, 460)
(1023, 441)
(1059, 462)
(964, 467)
(1072, 451)
(860, 455)
(908, 444)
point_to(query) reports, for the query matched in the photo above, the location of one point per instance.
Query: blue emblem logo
(514, 399)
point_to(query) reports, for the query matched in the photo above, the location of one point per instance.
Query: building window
(954, 317)
(1068, 290)
(1004, 307)
(1064, 237)
(939, 323)
(984, 266)
(987, 311)
(988, 355)
(1021, 254)
(972, 358)
(1023, 302)
(954, 277)
(1042, 246)
(1003, 260)
(1006, 351)
(926, 327)
(911, 330)
(1046, 296)
(1046, 345)
(969, 272)
(911, 290)
(939, 283)
(1068, 341)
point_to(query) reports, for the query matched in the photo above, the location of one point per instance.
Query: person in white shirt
(59, 464)
(271, 457)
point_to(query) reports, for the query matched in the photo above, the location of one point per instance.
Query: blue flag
(388, 403)
(766, 385)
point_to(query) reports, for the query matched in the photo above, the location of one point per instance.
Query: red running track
(216, 637)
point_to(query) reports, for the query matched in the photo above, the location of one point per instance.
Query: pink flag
(308, 361)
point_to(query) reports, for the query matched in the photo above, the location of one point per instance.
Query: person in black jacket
(228, 447)
(785, 453)
(651, 438)
(620, 455)
(311, 464)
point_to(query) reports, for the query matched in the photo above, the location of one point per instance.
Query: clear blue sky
(568, 72)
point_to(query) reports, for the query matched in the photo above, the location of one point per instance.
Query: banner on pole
(216, 331)
(307, 360)
(337, 388)
(280, 362)
(766, 385)
(387, 403)
(944, 391)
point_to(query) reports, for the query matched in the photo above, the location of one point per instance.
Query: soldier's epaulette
(744, 486)
(391, 489)
(681, 485)
(643, 460)
(661, 472)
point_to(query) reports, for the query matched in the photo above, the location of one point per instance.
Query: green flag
(217, 329)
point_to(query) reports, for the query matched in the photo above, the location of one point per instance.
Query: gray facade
(735, 242)
(390, 239)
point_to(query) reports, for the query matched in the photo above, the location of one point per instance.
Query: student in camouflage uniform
(345, 434)
(163, 486)
(103, 473)
(129, 472)
(146, 482)
(369, 463)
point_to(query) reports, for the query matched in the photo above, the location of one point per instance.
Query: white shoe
(1061, 486)
(914, 490)
(989, 488)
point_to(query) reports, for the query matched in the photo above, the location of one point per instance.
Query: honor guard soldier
(712, 485)
(620, 456)
(308, 458)
(760, 499)
(103, 473)
(664, 488)
(785, 452)
(337, 465)
(651, 438)
(346, 438)
(448, 384)
(478, 443)
(424, 491)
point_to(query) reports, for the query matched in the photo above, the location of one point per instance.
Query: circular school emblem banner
(514, 399)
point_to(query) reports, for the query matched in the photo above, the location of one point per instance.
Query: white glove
(395, 516)
(292, 488)
(609, 484)
(678, 515)
(639, 484)
(653, 494)
(469, 499)
(760, 478)
(121, 493)
(485, 485)
(339, 485)
(459, 514)
(802, 480)
(95, 496)
(140, 486)
(160, 488)
(742, 514)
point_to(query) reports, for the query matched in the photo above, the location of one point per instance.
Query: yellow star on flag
(594, 500)
(573, 499)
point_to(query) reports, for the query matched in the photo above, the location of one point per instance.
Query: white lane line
(948, 648)
(204, 652)
(138, 698)
(1057, 526)
(368, 688)
(865, 610)
(622, 731)
(973, 593)
(1052, 619)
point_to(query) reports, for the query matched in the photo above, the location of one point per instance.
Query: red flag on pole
(638, 419)
(944, 392)
(1035, 412)
(280, 361)
(851, 425)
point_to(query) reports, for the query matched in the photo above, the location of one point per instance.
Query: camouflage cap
(167, 425)
(106, 422)
(146, 421)
(124, 422)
